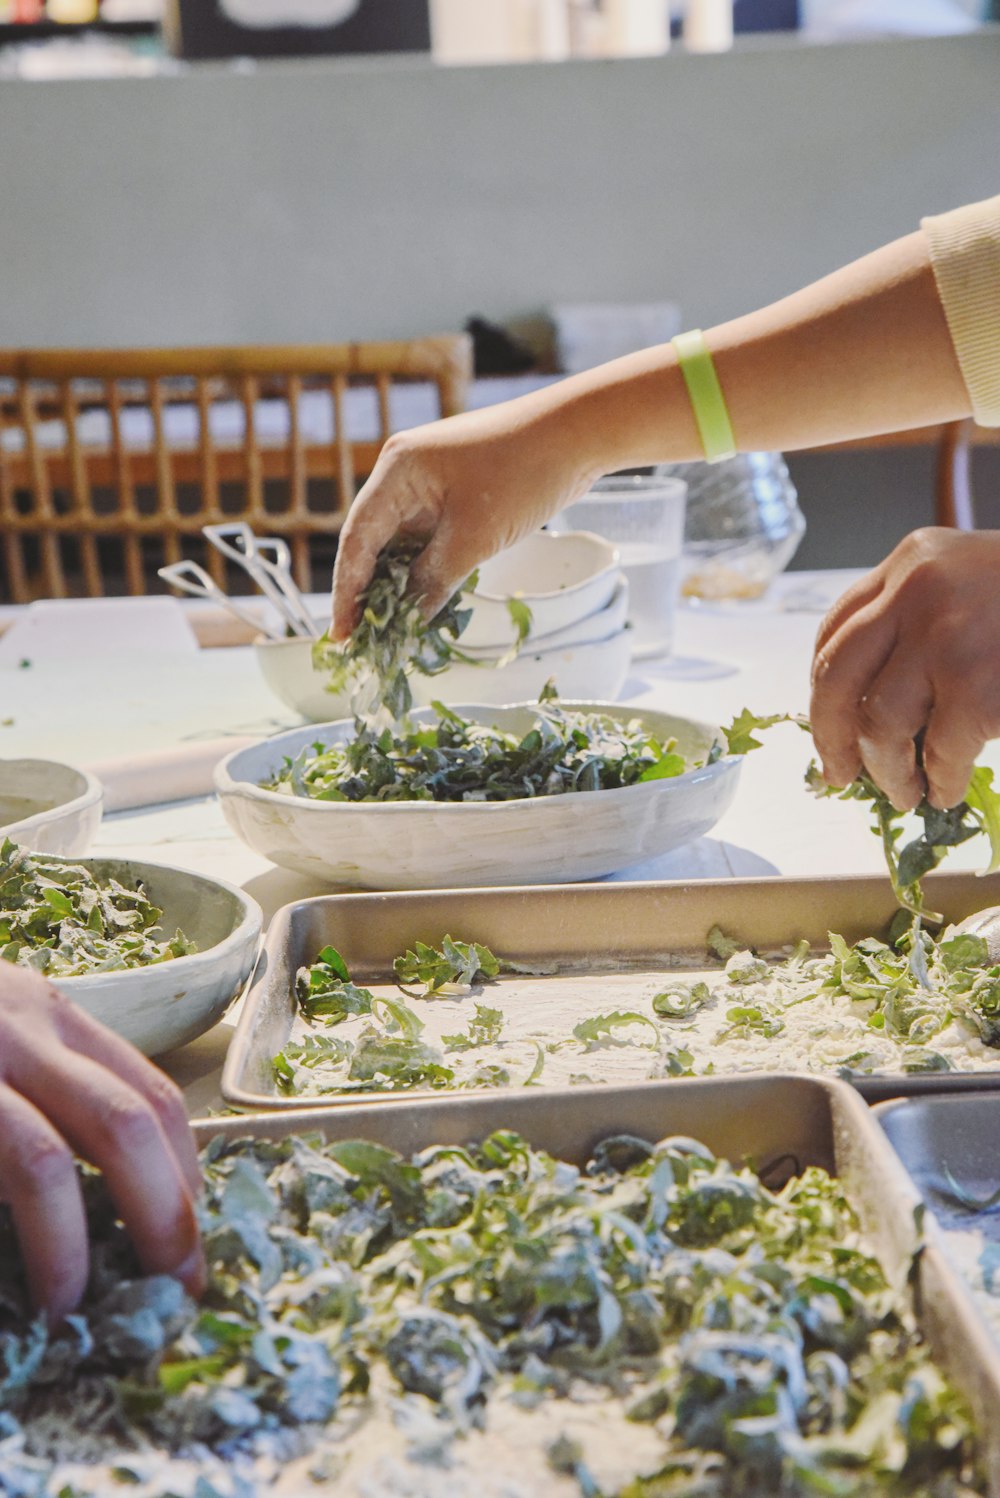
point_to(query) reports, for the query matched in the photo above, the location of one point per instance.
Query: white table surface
(726, 657)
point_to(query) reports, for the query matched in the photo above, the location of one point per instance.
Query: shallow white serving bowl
(561, 578)
(431, 845)
(49, 807)
(163, 1006)
(598, 671)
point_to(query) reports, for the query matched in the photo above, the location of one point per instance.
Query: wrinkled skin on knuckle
(40, 1165)
(127, 1123)
(166, 1098)
(876, 724)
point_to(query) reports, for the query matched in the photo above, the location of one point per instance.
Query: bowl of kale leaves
(155, 953)
(477, 794)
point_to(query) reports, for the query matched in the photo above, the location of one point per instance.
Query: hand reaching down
(913, 649)
(68, 1085)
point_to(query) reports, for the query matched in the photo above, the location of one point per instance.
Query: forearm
(863, 351)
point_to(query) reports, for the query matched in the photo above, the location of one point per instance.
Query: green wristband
(707, 400)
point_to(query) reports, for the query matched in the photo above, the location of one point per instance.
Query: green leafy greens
(910, 1004)
(392, 639)
(59, 919)
(741, 1340)
(453, 967)
(978, 813)
(457, 760)
(388, 1053)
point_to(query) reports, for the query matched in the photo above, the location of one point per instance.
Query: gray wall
(333, 200)
(301, 202)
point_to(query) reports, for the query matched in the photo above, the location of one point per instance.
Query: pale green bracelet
(707, 400)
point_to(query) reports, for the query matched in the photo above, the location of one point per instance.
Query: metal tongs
(190, 578)
(272, 573)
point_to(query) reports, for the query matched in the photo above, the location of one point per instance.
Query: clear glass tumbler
(643, 514)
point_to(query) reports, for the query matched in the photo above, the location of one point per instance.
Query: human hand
(469, 486)
(69, 1085)
(913, 647)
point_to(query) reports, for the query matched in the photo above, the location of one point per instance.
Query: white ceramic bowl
(597, 671)
(561, 579)
(587, 658)
(286, 666)
(49, 807)
(600, 625)
(431, 845)
(169, 1003)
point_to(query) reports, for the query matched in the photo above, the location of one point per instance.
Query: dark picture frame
(200, 29)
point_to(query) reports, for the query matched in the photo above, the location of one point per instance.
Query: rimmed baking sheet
(781, 1124)
(602, 947)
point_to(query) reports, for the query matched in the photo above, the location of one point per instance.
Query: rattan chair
(112, 461)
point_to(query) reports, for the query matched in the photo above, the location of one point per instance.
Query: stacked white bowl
(577, 597)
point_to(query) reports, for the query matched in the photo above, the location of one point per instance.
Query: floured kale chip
(61, 920)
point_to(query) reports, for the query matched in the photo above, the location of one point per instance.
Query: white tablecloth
(726, 657)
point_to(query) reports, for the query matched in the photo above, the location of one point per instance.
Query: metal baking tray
(948, 1146)
(779, 1124)
(590, 932)
(941, 1136)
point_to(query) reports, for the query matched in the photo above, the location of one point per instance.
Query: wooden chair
(112, 461)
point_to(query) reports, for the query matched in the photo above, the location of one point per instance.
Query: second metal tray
(594, 935)
(779, 1124)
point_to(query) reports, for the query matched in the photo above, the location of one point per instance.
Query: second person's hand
(68, 1085)
(913, 648)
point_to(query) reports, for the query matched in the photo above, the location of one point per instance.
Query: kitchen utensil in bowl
(272, 574)
(192, 579)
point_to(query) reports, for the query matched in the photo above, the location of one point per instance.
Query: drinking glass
(643, 514)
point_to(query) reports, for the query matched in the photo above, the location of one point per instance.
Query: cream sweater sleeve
(965, 254)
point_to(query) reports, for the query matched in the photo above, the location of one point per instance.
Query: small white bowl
(287, 667)
(435, 845)
(167, 1004)
(587, 658)
(600, 625)
(598, 670)
(561, 578)
(49, 807)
